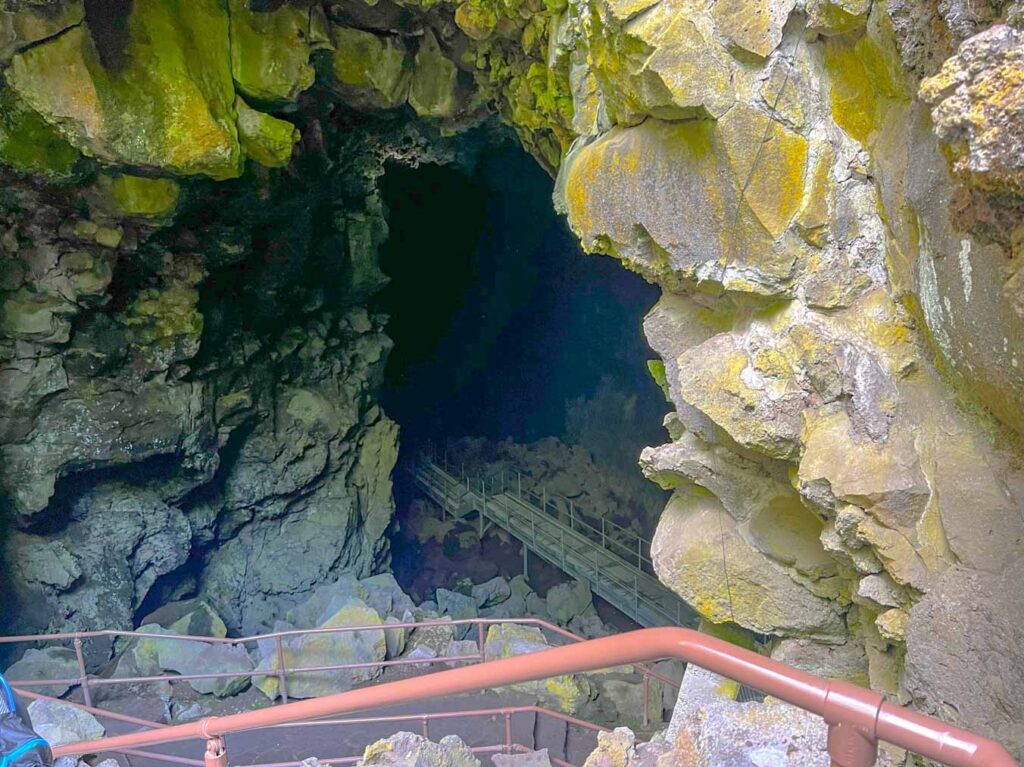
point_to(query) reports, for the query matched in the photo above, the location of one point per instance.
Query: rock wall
(828, 193)
(834, 237)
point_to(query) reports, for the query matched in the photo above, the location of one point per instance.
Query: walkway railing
(857, 718)
(615, 561)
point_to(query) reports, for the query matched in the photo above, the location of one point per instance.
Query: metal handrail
(640, 595)
(281, 670)
(857, 718)
(543, 501)
(424, 719)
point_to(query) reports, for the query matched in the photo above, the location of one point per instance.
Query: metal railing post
(639, 554)
(561, 546)
(519, 484)
(636, 599)
(508, 732)
(426, 727)
(850, 746)
(83, 676)
(282, 676)
(480, 639)
(216, 752)
(647, 700)
(570, 514)
(604, 545)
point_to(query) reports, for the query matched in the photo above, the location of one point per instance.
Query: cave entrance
(512, 346)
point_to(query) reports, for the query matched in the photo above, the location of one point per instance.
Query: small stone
(492, 592)
(892, 625)
(108, 237)
(404, 749)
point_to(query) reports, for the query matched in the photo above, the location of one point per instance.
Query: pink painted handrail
(857, 718)
(281, 671)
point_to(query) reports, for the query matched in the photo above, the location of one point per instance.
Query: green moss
(29, 145)
(476, 19)
(657, 370)
(265, 138)
(140, 195)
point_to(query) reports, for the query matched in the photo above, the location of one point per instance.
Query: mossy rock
(369, 71)
(434, 91)
(29, 24)
(270, 50)
(124, 194)
(265, 138)
(161, 98)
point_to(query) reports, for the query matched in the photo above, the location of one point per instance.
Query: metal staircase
(613, 560)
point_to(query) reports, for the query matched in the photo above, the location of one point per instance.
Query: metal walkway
(613, 560)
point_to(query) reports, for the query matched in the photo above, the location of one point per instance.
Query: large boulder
(976, 105)
(492, 592)
(59, 723)
(327, 649)
(47, 663)
(566, 601)
(699, 552)
(194, 657)
(270, 48)
(569, 693)
(457, 606)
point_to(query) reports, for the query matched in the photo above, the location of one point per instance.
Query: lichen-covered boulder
(125, 195)
(195, 657)
(310, 650)
(976, 101)
(457, 606)
(669, 200)
(569, 693)
(663, 62)
(162, 97)
(700, 553)
(405, 749)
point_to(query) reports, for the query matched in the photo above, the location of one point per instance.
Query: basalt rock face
(835, 240)
(828, 193)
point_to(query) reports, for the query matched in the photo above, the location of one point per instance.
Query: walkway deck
(613, 560)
